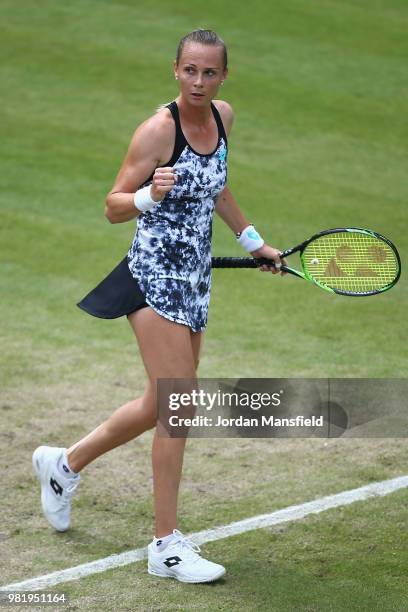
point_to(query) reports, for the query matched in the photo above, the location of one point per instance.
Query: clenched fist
(163, 182)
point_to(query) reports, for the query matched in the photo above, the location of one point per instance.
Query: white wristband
(250, 239)
(143, 200)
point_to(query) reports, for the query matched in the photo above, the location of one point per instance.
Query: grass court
(320, 140)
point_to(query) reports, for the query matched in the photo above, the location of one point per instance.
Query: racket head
(351, 261)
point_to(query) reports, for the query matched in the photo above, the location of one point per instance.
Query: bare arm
(226, 206)
(147, 150)
(229, 211)
(231, 214)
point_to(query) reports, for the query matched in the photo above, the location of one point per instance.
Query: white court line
(291, 513)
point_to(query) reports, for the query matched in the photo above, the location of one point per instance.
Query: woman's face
(200, 72)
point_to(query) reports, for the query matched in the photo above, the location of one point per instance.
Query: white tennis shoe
(56, 490)
(180, 560)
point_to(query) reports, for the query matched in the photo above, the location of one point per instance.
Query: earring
(222, 82)
(176, 77)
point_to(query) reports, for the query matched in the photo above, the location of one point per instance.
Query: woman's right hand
(164, 180)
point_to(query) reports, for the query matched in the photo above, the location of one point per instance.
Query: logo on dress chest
(222, 154)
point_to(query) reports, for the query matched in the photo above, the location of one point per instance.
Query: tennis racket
(349, 261)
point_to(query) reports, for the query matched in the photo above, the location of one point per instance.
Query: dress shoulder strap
(180, 141)
(217, 117)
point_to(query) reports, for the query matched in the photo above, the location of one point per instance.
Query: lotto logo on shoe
(171, 561)
(56, 486)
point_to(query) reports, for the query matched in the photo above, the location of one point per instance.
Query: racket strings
(351, 261)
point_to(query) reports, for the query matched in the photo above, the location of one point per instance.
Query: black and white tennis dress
(168, 265)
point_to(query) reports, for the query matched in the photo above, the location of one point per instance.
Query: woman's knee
(150, 402)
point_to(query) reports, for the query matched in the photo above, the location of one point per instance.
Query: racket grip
(240, 262)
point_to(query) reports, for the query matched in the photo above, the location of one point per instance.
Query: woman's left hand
(270, 253)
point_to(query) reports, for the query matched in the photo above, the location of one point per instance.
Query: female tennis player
(172, 179)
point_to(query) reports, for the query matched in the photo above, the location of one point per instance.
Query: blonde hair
(161, 106)
(204, 37)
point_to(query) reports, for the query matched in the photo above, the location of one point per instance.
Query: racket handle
(241, 262)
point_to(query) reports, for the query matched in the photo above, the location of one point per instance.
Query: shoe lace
(192, 548)
(68, 493)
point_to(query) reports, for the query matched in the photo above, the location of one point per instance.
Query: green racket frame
(392, 262)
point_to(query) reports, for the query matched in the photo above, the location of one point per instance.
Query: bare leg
(169, 350)
(125, 424)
